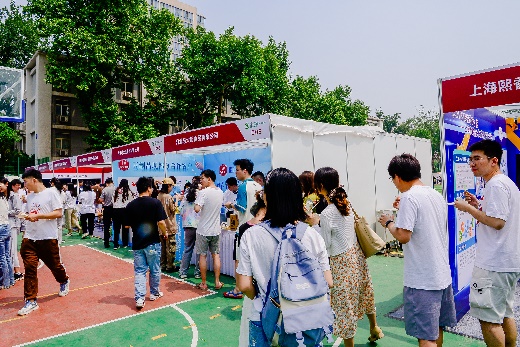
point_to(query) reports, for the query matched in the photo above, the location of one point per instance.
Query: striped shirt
(337, 230)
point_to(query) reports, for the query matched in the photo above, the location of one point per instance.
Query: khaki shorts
(203, 243)
(492, 295)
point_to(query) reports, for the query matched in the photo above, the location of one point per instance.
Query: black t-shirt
(143, 214)
(241, 230)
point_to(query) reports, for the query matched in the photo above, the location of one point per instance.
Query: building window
(127, 90)
(62, 145)
(62, 111)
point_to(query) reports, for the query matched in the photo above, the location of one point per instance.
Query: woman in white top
(15, 207)
(87, 208)
(6, 263)
(353, 294)
(122, 196)
(70, 203)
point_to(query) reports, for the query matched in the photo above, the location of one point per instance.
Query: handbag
(369, 241)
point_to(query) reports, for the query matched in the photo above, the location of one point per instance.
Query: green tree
(252, 77)
(94, 46)
(425, 125)
(306, 101)
(390, 122)
(8, 136)
(19, 37)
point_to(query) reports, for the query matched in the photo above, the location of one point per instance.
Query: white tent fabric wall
(360, 154)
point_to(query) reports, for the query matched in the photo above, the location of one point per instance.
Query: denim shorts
(257, 336)
(492, 295)
(427, 310)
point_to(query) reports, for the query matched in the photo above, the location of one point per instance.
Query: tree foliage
(19, 37)
(8, 136)
(93, 46)
(425, 125)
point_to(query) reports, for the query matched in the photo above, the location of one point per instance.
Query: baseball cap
(168, 180)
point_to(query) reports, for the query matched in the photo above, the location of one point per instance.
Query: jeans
(257, 336)
(144, 259)
(189, 245)
(6, 264)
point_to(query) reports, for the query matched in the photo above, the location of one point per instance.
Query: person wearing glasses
(497, 261)
(421, 227)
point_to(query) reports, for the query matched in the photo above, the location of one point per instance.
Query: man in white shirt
(230, 195)
(41, 238)
(497, 260)
(247, 190)
(208, 204)
(421, 228)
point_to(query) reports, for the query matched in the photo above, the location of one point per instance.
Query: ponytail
(338, 196)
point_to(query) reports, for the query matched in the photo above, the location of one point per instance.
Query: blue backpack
(296, 310)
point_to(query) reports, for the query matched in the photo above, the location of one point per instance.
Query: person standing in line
(310, 198)
(15, 207)
(122, 196)
(6, 262)
(353, 294)
(230, 195)
(259, 178)
(75, 209)
(56, 183)
(190, 221)
(87, 210)
(168, 245)
(284, 205)
(246, 191)
(70, 203)
(421, 227)
(147, 218)
(208, 204)
(106, 199)
(41, 239)
(497, 261)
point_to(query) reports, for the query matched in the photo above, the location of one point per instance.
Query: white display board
(405, 144)
(292, 149)
(331, 150)
(360, 176)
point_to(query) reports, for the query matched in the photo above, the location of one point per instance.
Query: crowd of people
(283, 203)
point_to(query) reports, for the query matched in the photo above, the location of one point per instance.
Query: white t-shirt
(46, 201)
(257, 247)
(251, 188)
(423, 211)
(229, 197)
(499, 250)
(86, 200)
(210, 201)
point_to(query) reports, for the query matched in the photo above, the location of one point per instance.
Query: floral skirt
(353, 294)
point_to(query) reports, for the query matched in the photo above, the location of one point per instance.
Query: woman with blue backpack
(353, 294)
(284, 268)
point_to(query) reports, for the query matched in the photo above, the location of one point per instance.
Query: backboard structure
(11, 95)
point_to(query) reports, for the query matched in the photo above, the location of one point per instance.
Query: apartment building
(54, 127)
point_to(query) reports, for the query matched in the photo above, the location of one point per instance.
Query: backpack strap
(274, 233)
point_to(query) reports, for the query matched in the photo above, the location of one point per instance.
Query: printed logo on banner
(222, 170)
(124, 165)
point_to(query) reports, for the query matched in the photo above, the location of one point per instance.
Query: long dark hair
(191, 193)
(306, 179)
(72, 190)
(123, 185)
(283, 194)
(327, 178)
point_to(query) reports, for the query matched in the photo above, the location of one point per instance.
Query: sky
(391, 53)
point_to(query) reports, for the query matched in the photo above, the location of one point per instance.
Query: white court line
(338, 342)
(194, 329)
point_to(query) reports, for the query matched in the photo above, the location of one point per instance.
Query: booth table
(227, 264)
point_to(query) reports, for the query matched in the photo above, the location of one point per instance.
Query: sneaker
(30, 305)
(64, 288)
(154, 297)
(18, 276)
(183, 276)
(197, 276)
(139, 303)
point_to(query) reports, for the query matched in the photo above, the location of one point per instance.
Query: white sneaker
(64, 288)
(139, 303)
(183, 276)
(30, 305)
(154, 297)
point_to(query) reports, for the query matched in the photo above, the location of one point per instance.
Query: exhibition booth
(475, 106)
(360, 154)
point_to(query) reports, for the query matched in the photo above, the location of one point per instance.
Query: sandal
(233, 295)
(376, 334)
(202, 286)
(219, 286)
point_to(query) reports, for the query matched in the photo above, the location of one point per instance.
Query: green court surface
(214, 320)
